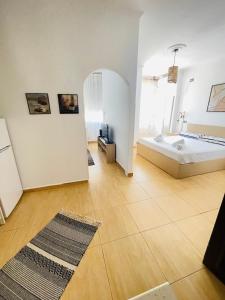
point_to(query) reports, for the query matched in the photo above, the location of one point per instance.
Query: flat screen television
(105, 131)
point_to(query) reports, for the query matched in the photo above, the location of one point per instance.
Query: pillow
(174, 140)
(158, 138)
(179, 147)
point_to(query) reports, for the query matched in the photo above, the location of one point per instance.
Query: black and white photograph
(38, 103)
(68, 103)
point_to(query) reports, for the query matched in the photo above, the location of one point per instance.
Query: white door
(10, 185)
(4, 137)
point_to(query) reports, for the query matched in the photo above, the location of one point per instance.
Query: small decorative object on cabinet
(108, 148)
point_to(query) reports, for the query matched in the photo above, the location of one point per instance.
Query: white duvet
(193, 150)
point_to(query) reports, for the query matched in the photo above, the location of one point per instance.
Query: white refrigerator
(10, 184)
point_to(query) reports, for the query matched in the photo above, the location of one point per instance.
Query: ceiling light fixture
(173, 71)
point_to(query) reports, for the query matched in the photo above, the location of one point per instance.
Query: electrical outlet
(161, 292)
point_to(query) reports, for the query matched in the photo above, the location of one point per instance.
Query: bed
(198, 156)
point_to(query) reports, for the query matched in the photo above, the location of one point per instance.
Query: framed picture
(38, 103)
(68, 103)
(217, 98)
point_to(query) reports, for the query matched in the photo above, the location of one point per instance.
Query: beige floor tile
(198, 229)
(199, 286)
(22, 236)
(23, 214)
(131, 267)
(133, 192)
(157, 188)
(147, 214)
(213, 181)
(90, 280)
(202, 199)
(116, 223)
(107, 198)
(175, 207)
(79, 200)
(6, 246)
(212, 215)
(175, 254)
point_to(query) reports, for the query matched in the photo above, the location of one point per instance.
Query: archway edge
(107, 69)
(125, 163)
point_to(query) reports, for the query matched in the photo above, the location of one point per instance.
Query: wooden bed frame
(178, 170)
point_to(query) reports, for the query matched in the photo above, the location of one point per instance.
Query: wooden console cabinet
(109, 149)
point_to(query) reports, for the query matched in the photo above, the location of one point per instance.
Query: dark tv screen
(105, 131)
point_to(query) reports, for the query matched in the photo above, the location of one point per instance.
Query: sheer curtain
(93, 105)
(157, 100)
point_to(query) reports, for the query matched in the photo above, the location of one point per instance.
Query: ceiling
(199, 24)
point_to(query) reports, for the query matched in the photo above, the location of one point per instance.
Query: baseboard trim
(54, 186)
(121, 168)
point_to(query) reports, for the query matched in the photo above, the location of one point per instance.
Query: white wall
(51, 46)
(93, 105)
(194, 96)
(138, 102)
(116, 111)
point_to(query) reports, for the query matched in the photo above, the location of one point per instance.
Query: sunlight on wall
(94, 116)
(156, 107)
(93, 102)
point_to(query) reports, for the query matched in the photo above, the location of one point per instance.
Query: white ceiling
(198, 23)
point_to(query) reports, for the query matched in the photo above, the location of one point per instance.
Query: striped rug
(43, 268)
(90, 159)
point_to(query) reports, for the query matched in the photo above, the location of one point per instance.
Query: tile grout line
(107, 274)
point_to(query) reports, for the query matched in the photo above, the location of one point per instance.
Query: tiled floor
(154, 229)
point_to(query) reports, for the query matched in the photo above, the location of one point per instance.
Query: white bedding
(193, 150)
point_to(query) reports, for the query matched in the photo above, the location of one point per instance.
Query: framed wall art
(38, 103)
(68, 103)
(217, 98)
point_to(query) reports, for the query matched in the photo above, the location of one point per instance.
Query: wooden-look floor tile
(201, 285)
(24, 212)
(6, 246)
(198, 230)
(22, 236)
(116, 223)
(175, 254)
(79, 200)
(147, 214)
(131, 267)
(157, 188)
(212, 215)
(135, 262)
(107, 198)
(202, 199)
(213, 181)
(90, 281)
(175, 207)
(133, 192)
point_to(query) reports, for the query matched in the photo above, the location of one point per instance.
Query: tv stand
(108, 147)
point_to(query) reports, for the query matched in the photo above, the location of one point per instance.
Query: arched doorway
(107, 101)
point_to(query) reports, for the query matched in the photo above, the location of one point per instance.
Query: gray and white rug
(90, 159)
(42, 269)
